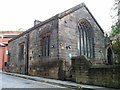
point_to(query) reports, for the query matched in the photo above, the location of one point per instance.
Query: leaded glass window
(85, 41)
(46, 46)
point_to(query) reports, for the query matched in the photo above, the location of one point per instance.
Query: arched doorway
(109, 56)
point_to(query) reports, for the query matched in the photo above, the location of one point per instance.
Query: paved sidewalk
(59, 82)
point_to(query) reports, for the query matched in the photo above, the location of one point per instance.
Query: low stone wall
(104, 75)
(108, 76)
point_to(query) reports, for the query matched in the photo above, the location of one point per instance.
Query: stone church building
(46, 49)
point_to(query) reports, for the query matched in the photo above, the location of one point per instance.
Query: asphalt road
(7, 81)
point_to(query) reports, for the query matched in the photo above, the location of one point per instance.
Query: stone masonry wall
(108, 76)
(38, 64)
(63, 32)
(84, 72)
(68, 36)
(34, 62)
(15, 64)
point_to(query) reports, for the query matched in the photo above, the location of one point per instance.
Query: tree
(115, 30)
(116, 42)
(116, 48)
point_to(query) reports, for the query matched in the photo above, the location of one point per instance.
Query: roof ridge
(57, 16)
(68, 11)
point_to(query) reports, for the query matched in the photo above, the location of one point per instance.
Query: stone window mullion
(86, 34)
(82, 40)
(79, 39)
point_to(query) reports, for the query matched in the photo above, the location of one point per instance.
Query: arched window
(46, 44)
(86, 40)
(109, 56)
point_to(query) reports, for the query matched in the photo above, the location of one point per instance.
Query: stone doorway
(110, 56)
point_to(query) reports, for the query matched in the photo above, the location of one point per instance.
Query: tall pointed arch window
(86, 40)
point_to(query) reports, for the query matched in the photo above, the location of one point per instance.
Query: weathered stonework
(14, 61)
(104, 75)
(62, 31)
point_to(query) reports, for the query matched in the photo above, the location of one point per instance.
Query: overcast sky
(15, 14)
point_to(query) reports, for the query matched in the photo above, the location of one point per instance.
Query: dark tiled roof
(58, 16)
(36, 26)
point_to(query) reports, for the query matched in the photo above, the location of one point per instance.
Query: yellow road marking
(53, 85)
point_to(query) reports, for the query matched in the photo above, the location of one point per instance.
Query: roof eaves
(34, 27)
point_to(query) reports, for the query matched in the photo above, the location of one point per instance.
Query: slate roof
(59, 16)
